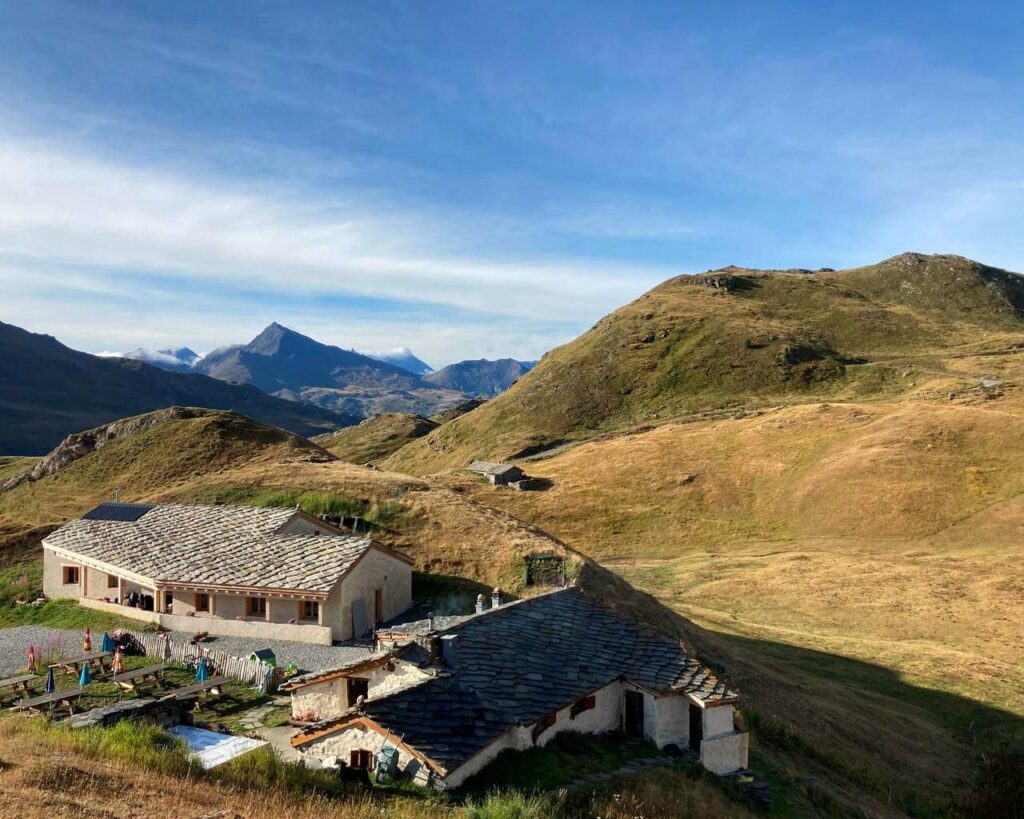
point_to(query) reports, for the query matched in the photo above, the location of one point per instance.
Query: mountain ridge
(51, 391)
(735, 338)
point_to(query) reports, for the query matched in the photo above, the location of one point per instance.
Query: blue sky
(480, 179)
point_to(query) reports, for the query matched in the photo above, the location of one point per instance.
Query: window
(112, 581)
(357, 688)
(543, 724)
(581, 705)
(70, 575)
(309, 610)
(202, 602)
(361, 760)
(256, 606)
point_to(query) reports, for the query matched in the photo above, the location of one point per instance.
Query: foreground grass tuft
(512, 805)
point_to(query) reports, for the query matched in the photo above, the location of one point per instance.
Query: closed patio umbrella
(117, 666)
(31, 658)
(165, 652)
(87, 641)
(107, 643)
(85, 677)
(51, 685)
(201, 672)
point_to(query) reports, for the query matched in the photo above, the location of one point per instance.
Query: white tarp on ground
(213, 749)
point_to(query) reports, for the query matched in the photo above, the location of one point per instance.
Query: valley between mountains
(813, 478)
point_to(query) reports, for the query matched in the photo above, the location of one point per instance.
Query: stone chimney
(430, 621)
(496, 597)
(481, 601)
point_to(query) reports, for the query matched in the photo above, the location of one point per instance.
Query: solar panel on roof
(126, 512)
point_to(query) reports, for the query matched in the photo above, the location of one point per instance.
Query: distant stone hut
(498, 474)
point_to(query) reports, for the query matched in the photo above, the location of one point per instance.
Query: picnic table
(66, 699)
(21, 681)
(128, 680)
(213, 685)
(72, 664)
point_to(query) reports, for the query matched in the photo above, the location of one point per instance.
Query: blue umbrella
(51, 685)
(201, 674)
(107, 643)
(85, 677)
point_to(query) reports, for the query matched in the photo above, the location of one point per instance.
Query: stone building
(517, 675)
(230, 570)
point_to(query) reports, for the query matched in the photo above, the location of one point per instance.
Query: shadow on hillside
(443, 595)
(860, 726)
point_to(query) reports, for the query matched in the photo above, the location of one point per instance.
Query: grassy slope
(853, 565)
(688, 347)
(376, 437)
(169, 454)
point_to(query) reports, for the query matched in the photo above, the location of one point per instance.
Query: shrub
(512, 805)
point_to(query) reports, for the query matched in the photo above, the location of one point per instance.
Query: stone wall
(357, 738)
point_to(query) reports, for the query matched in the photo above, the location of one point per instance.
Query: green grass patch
(66, 614)
(512, 805)
(374, 512)
(567, 757)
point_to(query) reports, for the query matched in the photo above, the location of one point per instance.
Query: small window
(256, 606)
(357, 687)
(112, 581)
(543, 724)
(361, 760)
(71, 576)
(202, 602)
(581, 705)
(309, 610)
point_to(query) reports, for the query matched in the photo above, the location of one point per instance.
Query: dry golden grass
(856, 567)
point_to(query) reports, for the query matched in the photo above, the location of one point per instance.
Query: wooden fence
(252, 672)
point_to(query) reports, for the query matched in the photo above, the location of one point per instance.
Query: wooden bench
(65, 698)
(129, 680)
(213, 685)
(20, 682)
(72, 664)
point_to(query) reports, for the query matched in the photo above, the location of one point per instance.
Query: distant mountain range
(292, 366)
(401, 357)
(181, 360)
(50, 391)
(481, 378)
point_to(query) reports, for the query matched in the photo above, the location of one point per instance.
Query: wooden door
(634, 713)
(696, 726)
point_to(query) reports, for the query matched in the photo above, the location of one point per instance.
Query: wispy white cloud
(74, 222)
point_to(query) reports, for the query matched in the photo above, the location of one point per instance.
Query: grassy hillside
(855, 566)
(731, 340)
(376, 437)
(170, 453)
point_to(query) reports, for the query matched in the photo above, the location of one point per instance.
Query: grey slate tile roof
(214, 545)
(485, 468)
(522, 661)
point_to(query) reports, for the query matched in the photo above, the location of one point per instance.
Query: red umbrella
(87, 641)
(118, 665)
(31, 658)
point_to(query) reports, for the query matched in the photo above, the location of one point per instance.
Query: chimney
(496, 597)
(430, 621)
(480, 602)
(449, 646)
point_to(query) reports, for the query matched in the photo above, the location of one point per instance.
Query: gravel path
(14, 644)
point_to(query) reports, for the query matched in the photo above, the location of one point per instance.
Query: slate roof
(517, 663)
(219, 545)
(485, 468)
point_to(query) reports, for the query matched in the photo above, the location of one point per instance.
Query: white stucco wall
(53, 577)
(672, 718)
(358, 738)
(725, 753)
(329, 699)
(718, 720)
(376, 570)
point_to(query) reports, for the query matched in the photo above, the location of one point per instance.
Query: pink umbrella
(31, 658)
(118, 665)
(87, 641)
